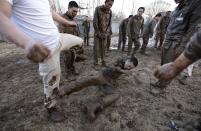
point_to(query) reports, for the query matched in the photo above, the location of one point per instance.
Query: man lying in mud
(106, 82)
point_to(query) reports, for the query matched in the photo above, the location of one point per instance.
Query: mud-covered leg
(92, 109)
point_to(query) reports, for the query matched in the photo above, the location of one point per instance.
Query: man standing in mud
(161, 29)
(68, 56)
(184, 23)
(41, 40)
(134, 31)
(122, 32)
(148, 31)
(102, 26)
(86, 25)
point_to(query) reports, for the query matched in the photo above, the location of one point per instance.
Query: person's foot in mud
(55, 114)
(92, 109)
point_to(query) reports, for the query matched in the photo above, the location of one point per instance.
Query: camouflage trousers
(135, 40)
(159, 37)
(169, 52)
(68, 57)
(145, 42)
(108, 42)
(86, 39)
(99, 49)
(122, 39)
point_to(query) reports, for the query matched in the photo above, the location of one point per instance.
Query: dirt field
(21, 97)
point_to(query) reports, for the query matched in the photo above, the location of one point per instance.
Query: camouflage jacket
(162, 25)
(102, 21)
(135, 25)
(184, 22)
(193, 48)
(123, 26)
(69, 29)
(86, 25)
(149, 26)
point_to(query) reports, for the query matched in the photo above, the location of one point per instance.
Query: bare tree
(156, 7)
(133, 8)
(118, 16)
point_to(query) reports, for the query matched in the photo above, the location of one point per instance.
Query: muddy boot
(55, 114)
(93, 109)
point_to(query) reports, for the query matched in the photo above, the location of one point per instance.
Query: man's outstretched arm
(56, 17)
(191, 54)
(35, 50)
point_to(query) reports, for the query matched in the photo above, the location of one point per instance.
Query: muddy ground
(21, 97)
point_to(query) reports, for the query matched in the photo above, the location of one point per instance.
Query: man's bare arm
(35, 51)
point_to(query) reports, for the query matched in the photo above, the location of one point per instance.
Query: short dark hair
(130, 16)
(109, 0)
(72, 4)
(158, 15)
(134, 60)
(141, 8)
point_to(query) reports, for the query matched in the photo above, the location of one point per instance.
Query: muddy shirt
(86, 25)
(102, 20)
(193, 48)
(162, 25)
(135, 25)
(123, 26)
(149, 27)
(69, 29)
(184, 21)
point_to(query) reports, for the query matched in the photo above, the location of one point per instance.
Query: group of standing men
(43, 43)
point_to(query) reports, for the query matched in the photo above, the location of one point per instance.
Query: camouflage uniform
(161, 30)
(193, 48)
(135, 28)
(147, 32)
(122, 33)
(184, 23)
(102, 25)
(69, 55)
(86, 25)
(109, 39)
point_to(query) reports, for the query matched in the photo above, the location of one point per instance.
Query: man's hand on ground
(166, 72)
